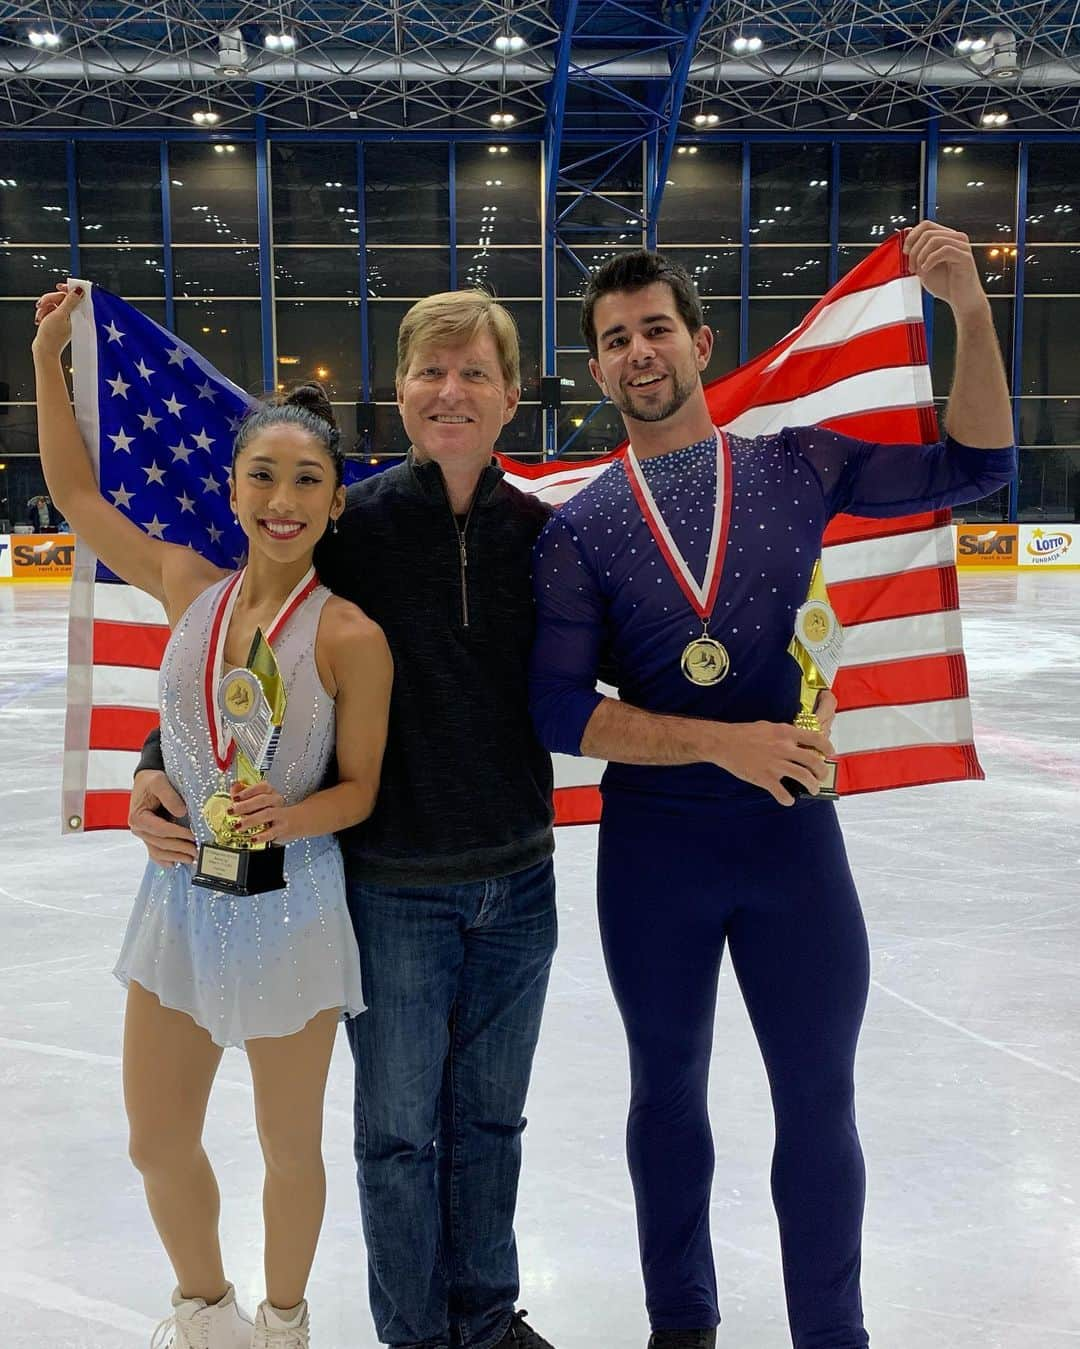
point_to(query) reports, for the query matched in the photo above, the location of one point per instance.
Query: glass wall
(355, 232)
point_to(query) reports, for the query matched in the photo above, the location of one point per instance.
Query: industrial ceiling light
(746, 44)
(43, 37)
(205, 117)
(279, 42)
(968, 46)
(991, 119)
(509, 42)
(707, 119)
(502, 119)
(232, 52)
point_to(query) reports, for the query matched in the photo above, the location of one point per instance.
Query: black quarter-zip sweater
(466, 786)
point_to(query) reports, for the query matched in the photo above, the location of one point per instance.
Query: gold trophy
(815, 648)
(252, 705)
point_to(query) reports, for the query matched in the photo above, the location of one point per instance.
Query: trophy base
(826, 792)
(240, 871)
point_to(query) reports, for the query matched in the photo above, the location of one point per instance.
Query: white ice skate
(273, 1333)
(195, 1325)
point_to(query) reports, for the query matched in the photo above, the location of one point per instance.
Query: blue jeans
(455, 978)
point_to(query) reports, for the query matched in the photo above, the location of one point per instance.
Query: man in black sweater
(450, 880)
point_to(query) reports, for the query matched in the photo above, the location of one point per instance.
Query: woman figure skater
(273, 972)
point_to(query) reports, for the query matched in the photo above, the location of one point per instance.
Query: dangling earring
(334, 530)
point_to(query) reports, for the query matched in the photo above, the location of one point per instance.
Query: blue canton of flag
(167, 422)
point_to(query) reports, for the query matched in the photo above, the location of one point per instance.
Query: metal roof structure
(449, 66)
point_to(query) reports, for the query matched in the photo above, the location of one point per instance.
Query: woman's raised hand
(52, 318)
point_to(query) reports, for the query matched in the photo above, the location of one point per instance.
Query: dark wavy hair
(307, 407)
(635, 271)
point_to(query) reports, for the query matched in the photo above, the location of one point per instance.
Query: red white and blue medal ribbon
(705, 660)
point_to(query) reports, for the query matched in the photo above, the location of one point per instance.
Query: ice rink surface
(969, 1069)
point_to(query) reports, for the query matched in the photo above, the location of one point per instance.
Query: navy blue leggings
(678, 879)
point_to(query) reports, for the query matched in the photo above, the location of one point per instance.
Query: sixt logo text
(986, 545)
(44, 554)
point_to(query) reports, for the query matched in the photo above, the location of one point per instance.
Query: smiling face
(454, 401)
(647, 362)
(284, 492)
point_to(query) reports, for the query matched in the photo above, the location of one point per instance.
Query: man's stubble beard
(680, 394)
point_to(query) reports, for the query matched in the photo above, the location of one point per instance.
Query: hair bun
(314, 398)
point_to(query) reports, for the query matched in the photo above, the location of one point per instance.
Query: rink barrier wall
(36, 557)
(979, 547)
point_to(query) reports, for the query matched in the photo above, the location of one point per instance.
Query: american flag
(158, 420)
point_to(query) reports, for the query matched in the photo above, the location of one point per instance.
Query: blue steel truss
(590, 98)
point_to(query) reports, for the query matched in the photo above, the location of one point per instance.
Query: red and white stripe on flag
(857, 363)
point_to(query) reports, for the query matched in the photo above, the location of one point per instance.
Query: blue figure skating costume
(692, 859)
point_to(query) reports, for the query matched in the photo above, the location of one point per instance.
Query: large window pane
(770, 320)
(119, 193)
(1050, 421)
(600, 434)
(1051, 359)
(384, 319)
(1053, 204)
(722, 316)
(574, 365)
(130, 272)
(314, 193)
(16, 364)
(32, 271)
(789, 193)
(216, 271)
(328, 272)
(789, 271)
(701, 202)
(849, 256)
(1052, 270)
(945, 340)
(523, 437)
(228, 333)
(33, 193)
(214, 198)
(407, 273)
(320, 340)
(508, 182)
(977, 190)
(407, 194)
(715, 271)
(569, 280)
(607, 168)
(528, 317)
(993, 507)
(879, 190)
(612, 219)
(503, 271)
(1049, 487)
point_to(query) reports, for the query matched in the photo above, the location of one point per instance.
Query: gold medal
(237, 697)
(705, 661)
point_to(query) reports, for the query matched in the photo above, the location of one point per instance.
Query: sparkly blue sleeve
(570, 615)
(865, 478)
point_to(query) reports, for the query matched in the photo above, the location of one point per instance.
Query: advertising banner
(986, 545)
(41, 557)
(1049, 546)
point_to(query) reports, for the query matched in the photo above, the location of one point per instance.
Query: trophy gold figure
(252, 705)
(815, 648)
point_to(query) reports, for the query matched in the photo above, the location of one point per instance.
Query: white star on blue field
(167, 420)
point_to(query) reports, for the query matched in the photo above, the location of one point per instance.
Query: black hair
(307, 407)
(634, 271)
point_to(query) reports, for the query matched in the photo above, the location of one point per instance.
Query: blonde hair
(453, 318)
